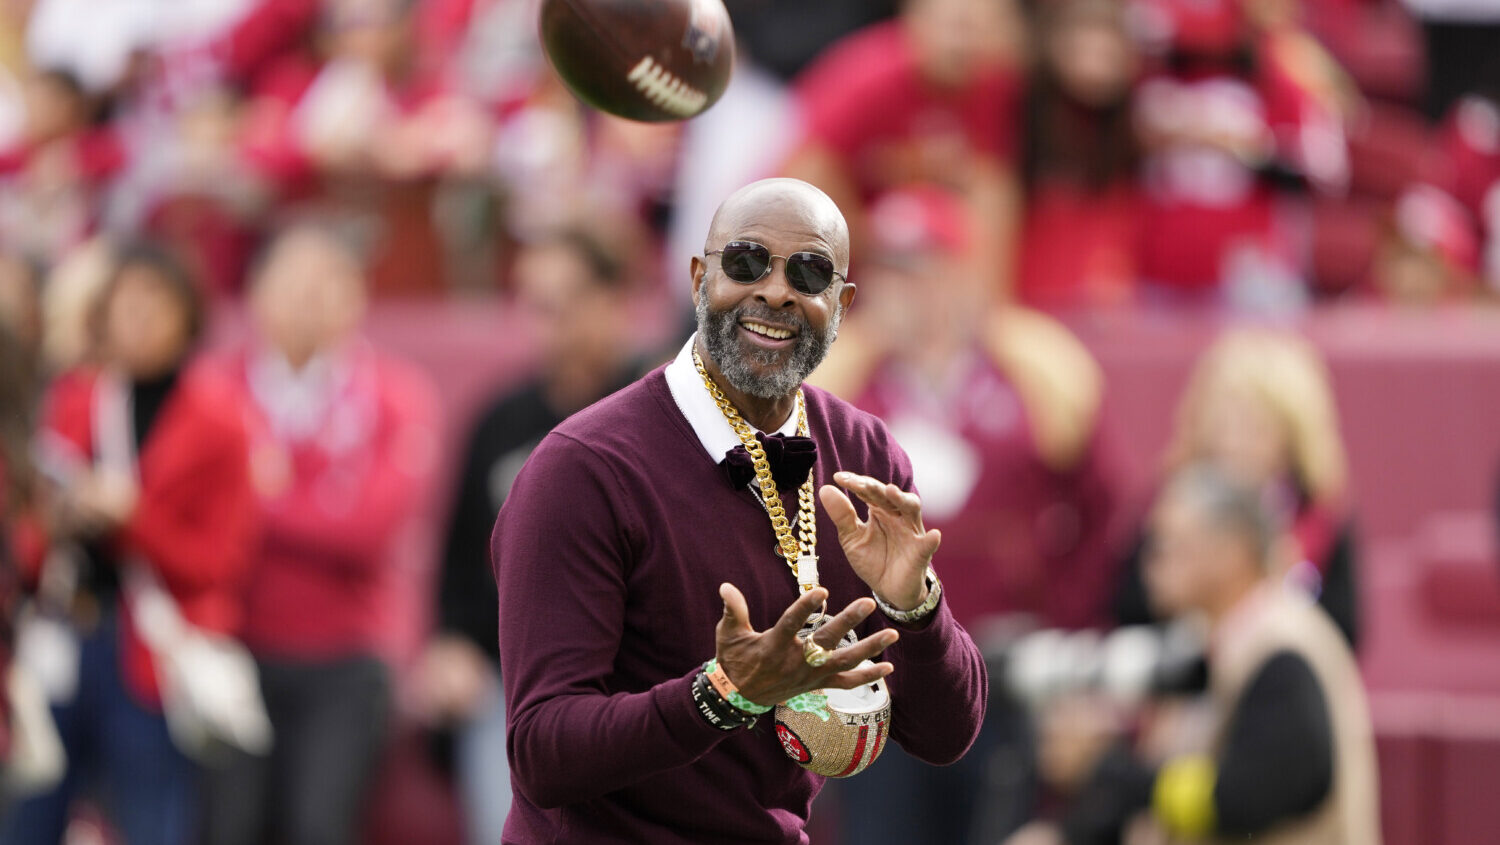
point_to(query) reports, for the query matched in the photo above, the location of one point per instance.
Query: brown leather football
(651, 60)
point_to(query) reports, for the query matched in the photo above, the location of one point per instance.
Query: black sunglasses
(748, 262)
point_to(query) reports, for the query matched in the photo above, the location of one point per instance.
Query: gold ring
(814, 654)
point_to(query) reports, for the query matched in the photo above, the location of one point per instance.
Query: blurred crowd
(203, 542)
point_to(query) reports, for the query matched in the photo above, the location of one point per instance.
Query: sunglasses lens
(745, 262)
(809, 272)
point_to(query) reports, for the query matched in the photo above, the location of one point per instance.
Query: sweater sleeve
(938, 689)
(562, 547)
(197, 523)
(940, 686)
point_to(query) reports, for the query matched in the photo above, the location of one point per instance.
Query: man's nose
(776, 289)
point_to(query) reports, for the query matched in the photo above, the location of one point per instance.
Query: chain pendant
(800, 551)
(807, 571)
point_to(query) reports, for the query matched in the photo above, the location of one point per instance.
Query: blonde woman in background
(1260, 406)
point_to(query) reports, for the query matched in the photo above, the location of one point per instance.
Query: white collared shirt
(707, 421)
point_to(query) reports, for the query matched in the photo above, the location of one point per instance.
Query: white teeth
(767, 331)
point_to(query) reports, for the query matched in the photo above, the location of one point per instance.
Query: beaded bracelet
(729, 691)
(714, 709)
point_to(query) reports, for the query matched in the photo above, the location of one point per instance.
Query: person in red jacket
(343, 451)
(146, 455)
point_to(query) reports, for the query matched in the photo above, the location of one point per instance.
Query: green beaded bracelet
(739, 701)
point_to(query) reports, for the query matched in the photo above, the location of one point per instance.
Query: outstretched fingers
(859, 676)
(833, 631)
(736, 611)
(881, 496)
(839, 509)
(792, 620)
(847, 658)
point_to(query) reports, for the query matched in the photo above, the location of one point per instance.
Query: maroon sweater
(608, 555)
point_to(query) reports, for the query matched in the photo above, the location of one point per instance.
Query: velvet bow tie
(791, 457)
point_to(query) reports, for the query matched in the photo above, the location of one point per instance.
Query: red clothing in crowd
(1202, 202)
(195, 519)
(1213, 127)
(336, 490)
(866, 101)
(50, 193)
(1018, 537)
(1078, 247)
(96, 155)
(1470, 143)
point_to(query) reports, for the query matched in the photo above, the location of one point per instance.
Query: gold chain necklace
(800, 554)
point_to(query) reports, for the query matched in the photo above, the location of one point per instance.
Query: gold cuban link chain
(788, 546)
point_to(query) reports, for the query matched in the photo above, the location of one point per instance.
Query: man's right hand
(769, 667)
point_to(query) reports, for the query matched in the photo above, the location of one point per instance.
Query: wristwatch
(920, 612)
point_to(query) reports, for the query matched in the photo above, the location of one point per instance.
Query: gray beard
(719, 333)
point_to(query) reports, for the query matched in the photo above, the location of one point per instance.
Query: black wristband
(714, 709)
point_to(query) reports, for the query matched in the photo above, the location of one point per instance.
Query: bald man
(650, 606)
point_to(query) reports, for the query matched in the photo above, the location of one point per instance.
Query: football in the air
(651, 60)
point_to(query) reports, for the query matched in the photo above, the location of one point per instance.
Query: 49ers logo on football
(792, 744)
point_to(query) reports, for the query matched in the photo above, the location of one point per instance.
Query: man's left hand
(891, 549)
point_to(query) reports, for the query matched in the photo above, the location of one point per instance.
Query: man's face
(918, 300)
(733, 317)
(309, 297)
(1190, 561)
(570, 311)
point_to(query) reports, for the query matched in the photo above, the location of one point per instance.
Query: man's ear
(846, 296)
(697, 269)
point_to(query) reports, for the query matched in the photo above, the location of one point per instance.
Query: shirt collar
(707, 421)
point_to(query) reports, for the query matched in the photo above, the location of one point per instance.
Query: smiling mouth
(767, 331)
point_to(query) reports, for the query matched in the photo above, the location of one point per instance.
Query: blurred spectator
(342, 450)
(574, 286)
(1285, 753)
(1000, 417)
(146, 455)
(192, 186)
(559, 160)
(1260, 407)
(367, 104)
(371, 126)
(52, 183)
(1240, 104)
(1469, 166)
(1429, 251)
(929, 98)
(1079, 157)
